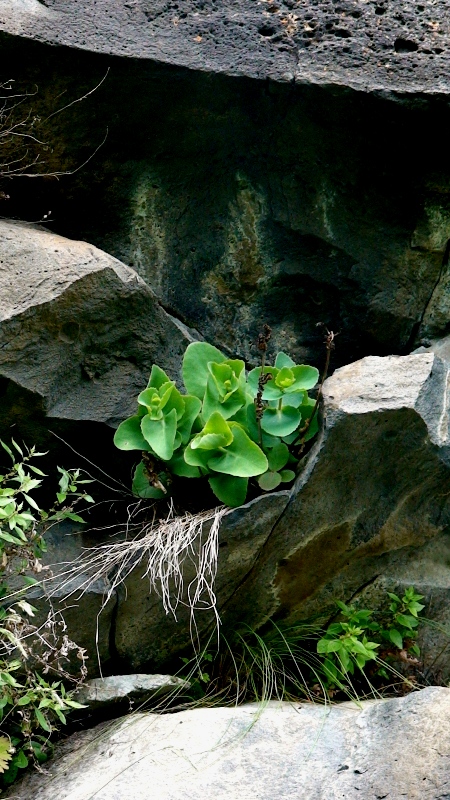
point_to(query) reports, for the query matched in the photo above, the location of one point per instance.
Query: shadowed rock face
(393, 45)
(242, 202)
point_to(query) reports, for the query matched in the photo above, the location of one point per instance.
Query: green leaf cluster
(361, 635)
(30, 706)
(214, 429)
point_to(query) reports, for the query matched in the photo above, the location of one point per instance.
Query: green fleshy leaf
(283, 360)
(176, 401)
(269, 481)
(213, 402)
(230, 490)
(160, 434)
(128, 435)
(195, 366)
(242, 458)
(305, 377)
(295, 399)
(280, 421)
(178, 466)
(287, 475)
(277, 457)
(253, 378)
(216, 433)
(197, 458)
(141, 486)
(158, 378)
(192, 406)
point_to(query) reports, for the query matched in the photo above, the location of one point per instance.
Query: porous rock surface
(78, 329)
(392, 45)
(395, 749)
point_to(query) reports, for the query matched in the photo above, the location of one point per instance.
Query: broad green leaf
(407, 621)
(176, 401)
(160, 434)
(21, 760)
(216, 433)
(283, 360)
(328, 645)
(192, 406)
(230, 490)
(269, 481)
(197, 458)
(280, 421)
(396, 638)
(141, 486)
(242, 458)
(178, 466)
(253, 378)
(157, 378)
(213, 402)
(305, 377)
(277, 456)
(195, 366)
(287, 475)
(128, 435)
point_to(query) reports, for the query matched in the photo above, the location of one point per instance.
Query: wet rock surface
(393, 748)
(377, 45)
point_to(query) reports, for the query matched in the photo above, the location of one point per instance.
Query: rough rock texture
(78, 328)
(101, 693)
(373, 502)
(242, 202)
(395, 46)
(386, 749)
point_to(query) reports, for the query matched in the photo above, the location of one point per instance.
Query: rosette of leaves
(212, 430)
(224, 448)
(288, 410)
(161, 426)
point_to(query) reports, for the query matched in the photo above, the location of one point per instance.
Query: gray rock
(394, 748)
(77, 328)
(374, 46)
(144, 634)
(241, 202)
(372, 502)
(80, 603)
(101, 693)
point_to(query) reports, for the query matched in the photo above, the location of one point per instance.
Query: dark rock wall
(242, 202)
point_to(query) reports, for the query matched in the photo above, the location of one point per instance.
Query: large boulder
(78, 329)
(394, 748)
(238, 201)
(371, 46)
(144, 635)
(372, 503)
